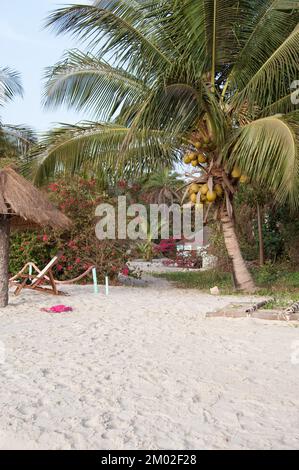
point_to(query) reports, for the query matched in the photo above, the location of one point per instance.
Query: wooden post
(4, 259)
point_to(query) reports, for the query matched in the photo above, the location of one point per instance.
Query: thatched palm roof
(20, 199)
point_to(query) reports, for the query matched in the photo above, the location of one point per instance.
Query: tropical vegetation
(77, 198)
(207, 82)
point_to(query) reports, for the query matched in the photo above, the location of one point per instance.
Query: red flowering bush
(77, 198)
(166, 247)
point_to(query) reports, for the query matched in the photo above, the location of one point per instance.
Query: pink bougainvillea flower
(72, 244)
(45, 238)
(78, 261)
(53, 187)
(125, 271)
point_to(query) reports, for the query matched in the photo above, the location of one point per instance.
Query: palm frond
(261, 32)
(217, 116)
(284, 105)
(272, 80)
(15, 141)
(268, 151)
(173, 109)
(89, 84)
(117, 28)
(68, 148)
(10, 85)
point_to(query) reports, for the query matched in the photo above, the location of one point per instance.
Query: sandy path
(144, 369)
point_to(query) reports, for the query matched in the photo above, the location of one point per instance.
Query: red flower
(70, 268)
(78, 260)
(45, 238)
(122, 184)
(53, 187)
(72, 244)
(125, 271)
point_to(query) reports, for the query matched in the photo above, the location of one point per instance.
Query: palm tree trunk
(4, 259)
(260, 232)
(242, 275)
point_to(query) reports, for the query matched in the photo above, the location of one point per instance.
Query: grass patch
(272, 281)
(202, 280)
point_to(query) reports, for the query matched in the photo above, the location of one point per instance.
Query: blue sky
(28, 48)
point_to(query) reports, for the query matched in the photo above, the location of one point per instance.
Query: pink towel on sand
(57, 309)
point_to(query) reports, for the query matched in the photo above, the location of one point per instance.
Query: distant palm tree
(15, 141)
(162, 187)
(210, 77)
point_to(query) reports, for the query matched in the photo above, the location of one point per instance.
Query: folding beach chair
(42, 281)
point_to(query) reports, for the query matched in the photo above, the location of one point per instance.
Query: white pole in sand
(107, 284)
(95, 281)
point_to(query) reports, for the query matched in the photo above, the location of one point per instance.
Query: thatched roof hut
(25, 204)
(21, 205)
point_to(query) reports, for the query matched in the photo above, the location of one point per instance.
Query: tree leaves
(69, 148)
(268, 150)
(10, 85)
(160, 68)
(87, 83)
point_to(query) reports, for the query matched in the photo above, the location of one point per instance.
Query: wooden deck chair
(21, 274)
(42, 281)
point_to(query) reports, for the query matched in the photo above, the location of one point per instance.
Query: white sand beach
(144, 369)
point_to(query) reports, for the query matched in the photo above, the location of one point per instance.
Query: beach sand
(143, 369)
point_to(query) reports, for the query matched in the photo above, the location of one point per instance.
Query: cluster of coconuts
(195, 159)
(202, 193)
(198, 157)
(202, 143)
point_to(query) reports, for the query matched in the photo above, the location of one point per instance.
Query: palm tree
(15, 141)
(162, 187)
(165, 78)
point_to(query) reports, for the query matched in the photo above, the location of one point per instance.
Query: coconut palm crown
(162, 187)
(208, 81)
